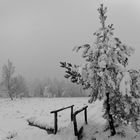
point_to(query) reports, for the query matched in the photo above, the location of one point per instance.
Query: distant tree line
(55, 88)
(15, 86)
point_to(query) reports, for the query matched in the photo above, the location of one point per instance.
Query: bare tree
(7, 75)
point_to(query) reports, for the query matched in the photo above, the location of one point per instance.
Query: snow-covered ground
(14, 115)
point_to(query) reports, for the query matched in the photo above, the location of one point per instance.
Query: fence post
(75, 125)
(76, 132)
(55, 123)
(86, 115)
(56, 119)
(72, 113)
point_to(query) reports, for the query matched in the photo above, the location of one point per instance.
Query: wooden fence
(76, 131)
(55, 116)
(73, 118)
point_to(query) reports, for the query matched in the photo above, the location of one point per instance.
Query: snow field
(14, 115)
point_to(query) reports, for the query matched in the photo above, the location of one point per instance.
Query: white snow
(14, 115)
(125, 84)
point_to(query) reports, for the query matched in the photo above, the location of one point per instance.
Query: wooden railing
(56, 119)
(73, 118)
(76, 132)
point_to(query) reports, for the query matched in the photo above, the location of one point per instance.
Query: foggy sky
(37, 34)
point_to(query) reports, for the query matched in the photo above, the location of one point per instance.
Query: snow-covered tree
(15, 86)
(7, 76)
(105, 74)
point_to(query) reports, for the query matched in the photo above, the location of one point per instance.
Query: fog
(37, 34)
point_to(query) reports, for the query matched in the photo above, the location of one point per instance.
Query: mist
(37, 35)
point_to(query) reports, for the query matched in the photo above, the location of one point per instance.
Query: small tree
(103, 73)
(7, 75)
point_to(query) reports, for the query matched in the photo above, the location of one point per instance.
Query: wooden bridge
(72, 117)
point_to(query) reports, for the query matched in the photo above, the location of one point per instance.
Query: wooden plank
(49, 130)
(56, 119)
(85, 115)
(76, 112)
(75, 126)
(72, 113)
(55, 123)
(61, 109)
(76, 132)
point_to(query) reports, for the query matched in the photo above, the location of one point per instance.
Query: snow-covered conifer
(105, 74)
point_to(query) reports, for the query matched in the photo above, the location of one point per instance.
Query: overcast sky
(37, 34)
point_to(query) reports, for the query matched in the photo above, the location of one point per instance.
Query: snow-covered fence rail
(55, 116)
(76, 132)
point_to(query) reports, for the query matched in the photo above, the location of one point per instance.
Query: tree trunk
(9, 89)
(110, 118)
(10, 95)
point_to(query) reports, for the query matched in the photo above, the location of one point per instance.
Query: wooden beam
(55, 123)
(75, 126)
(78, 111)
(56, 119)
(85, 115)
(76, 132)
(49, 130)
(61, 109)
(72, 112)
